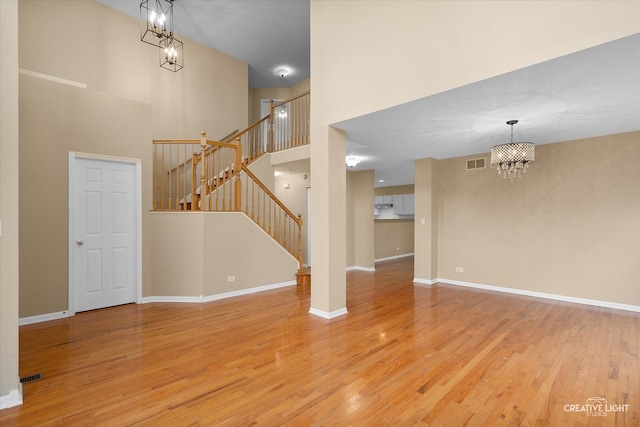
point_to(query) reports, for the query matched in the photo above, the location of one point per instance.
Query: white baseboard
(389, 258)
(556, 297)
(328, 314)
(14, 398)
(215, 297)
(355, 267)
(248, 291)
(423, 281)
(147, 300)
(44, 317)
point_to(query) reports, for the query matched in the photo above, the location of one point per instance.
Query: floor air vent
(31, 378)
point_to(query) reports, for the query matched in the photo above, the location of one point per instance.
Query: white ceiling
(589, 93)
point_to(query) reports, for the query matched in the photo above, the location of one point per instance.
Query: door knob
(79, 243)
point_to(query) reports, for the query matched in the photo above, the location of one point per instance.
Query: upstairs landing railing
(204, 175)
(286, 126)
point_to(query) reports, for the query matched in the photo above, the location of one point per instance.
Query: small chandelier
(171, 55)
(156, 28)
(512, 158)
(156, 21)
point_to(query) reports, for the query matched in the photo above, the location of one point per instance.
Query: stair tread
(305, 271)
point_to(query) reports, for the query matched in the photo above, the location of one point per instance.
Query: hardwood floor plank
(404, 354)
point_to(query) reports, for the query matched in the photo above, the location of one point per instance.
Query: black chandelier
(156, 29)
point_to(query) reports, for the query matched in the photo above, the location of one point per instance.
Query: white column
(328, 228)
(10, 387)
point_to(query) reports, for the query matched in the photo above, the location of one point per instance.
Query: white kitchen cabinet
(409, 204)
(398, 204)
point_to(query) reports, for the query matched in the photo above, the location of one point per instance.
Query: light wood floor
(403, 355)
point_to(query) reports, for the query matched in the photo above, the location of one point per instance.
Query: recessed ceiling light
(381, 180)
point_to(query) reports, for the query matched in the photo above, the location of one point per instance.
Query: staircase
(206, 175)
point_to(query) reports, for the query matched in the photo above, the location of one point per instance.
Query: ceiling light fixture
(352, 162)
(512, 158)
(156, 29)
(282, 72)
(171, 54)
(156, 21)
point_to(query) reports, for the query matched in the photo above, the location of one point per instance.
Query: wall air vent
(476, 164)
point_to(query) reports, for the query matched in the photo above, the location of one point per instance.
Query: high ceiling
(266, 34)
(589, 93)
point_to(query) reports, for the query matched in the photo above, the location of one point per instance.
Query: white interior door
(103, 230)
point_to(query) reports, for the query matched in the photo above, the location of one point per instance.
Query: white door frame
(308, 224)
(73, 156)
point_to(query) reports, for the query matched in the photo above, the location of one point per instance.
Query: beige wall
(10, 388)
(431, 50)
(256, 94)
(360, 202)
(395, 189)
(188, 261)
(426, 219)
(350, 221)
(54, 120)
(568, 227)
(359, 219)
(263, 170)
(303, 86)
(393, 237)
(435, 42)
(100, 46)
(129, 101)
(328, 225)
(295, 198)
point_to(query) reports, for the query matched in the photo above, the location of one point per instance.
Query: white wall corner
(564, 298)
(44, 317)
(248, 291)
(355, 267)
(147, 300)
(328, 314)
(14, 398)
(419, 281)
(389, 258)
(215, 297)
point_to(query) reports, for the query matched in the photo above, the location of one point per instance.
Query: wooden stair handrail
(215, 144)
(293, 98)
(247, 130)
(221, 144)
(229, 136)
(176, 141)
(272, 196)
(197, 156)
